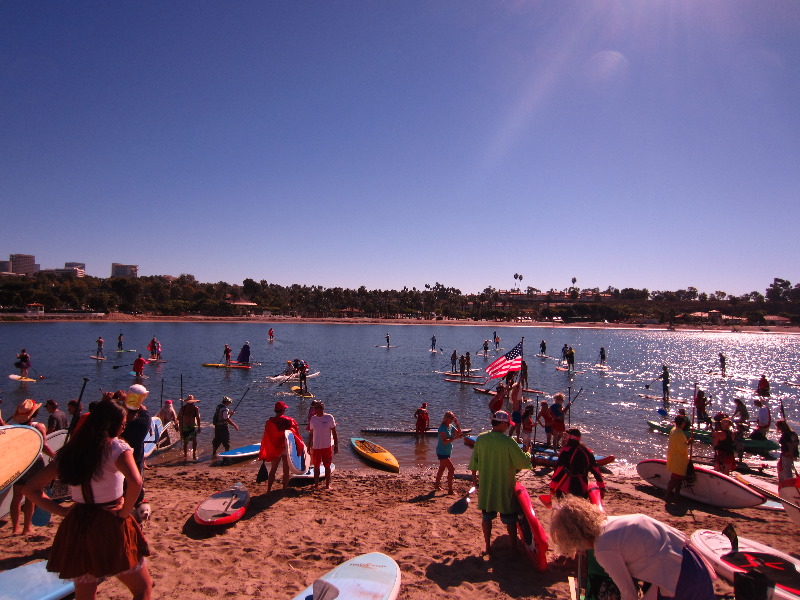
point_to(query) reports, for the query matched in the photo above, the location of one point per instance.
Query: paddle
(647, 387)
(461, 505)
(37, 372)
(120, 366)
(83, 387)
(240, 400)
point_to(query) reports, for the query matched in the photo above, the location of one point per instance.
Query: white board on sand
(708, 487)
(33, 582)
(779, 567)
(372, 576)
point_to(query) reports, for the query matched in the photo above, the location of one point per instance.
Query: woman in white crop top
(98, 536)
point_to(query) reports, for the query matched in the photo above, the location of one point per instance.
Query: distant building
(120, 270)
(75, 265)
(23, 264)
(5, 266)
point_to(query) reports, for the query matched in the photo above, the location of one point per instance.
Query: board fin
(730, 533)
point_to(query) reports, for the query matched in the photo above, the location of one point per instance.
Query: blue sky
(649, 144)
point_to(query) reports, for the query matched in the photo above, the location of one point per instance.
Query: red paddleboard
(530, 529)
(223, 507)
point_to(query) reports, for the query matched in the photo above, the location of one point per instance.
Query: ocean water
(365, 384)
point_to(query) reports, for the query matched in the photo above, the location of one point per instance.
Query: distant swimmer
(433, 343)
(543, 347)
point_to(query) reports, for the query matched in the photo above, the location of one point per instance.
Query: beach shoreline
(275, 320)
(286, 541)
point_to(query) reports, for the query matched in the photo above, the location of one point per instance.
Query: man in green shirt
(497, 458)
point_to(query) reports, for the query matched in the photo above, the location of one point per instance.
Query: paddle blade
(545, 499)
(461, 505)
(662, 412)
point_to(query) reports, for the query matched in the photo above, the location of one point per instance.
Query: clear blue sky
(650, 144)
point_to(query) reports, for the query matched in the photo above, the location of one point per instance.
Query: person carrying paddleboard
(273, 443)
(496, 458)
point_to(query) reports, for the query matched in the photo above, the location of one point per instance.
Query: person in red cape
(273, 443)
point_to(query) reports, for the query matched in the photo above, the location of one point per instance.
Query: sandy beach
(286, 541)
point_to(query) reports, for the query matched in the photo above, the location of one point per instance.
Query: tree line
(184, 295)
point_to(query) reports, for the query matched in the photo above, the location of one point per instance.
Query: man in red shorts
(323, 434)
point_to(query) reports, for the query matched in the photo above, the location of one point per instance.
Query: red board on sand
(530, 529)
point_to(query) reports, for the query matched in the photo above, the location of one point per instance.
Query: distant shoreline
(126, 318)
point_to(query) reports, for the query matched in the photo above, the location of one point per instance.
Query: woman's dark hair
(81, 458)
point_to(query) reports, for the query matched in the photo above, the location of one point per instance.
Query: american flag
(510, 361)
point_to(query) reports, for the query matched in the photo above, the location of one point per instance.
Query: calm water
(365, 385)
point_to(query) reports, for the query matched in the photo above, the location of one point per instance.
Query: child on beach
(449, 430)
(545, 419)
(527, 428)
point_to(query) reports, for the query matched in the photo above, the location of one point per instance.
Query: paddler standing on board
(497, 457)
(100, 344)
(271, 334)
(138, 366)
(664, 377)
(23, 363)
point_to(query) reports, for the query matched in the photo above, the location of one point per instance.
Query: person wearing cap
(423, 420)
(763, 420)
(575, 462)
(221, 420)
(273, 443)
(98, 536)
(497, 458)
(167, 413)
(57, 419)
(324, 442)
(24, 415)
(189, 420)
(137, 425)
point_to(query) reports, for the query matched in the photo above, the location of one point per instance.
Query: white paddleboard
(708, 487)
(309, 474)
(372, 576)
(790, 490)
(33, 582)
(21, 378)
(779, 567)
(55, 441)
(298, 461)
(152, 437)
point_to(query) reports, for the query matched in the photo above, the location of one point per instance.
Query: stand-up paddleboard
(309, 474)
(120, 351)
(374, 453)
(548, 457)
(292, 377)
(709, 487)
(530, 529)
(298, 455)
(790, 490)
(20, 446)
(397, 431)
(780, 568)
(458, 374)
(224, 366)
(98, 357)
(135, 374)
(33, 582)
(21, 378)
(298, 391)
(372, 576)
(766, 489)
(223, 507)
(152, 437)
(751, 446)
(463, 381)
(55, 441)
(169, 437)
(240, 453)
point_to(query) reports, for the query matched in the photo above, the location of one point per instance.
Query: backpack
(216, 420)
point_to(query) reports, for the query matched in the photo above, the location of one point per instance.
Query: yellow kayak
(375, 453)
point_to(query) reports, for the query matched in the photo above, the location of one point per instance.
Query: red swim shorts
(322, 455)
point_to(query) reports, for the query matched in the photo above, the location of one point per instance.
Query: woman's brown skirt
(92, 540)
